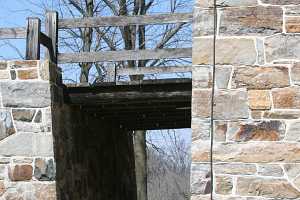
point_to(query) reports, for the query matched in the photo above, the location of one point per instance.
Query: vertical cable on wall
(213, 99)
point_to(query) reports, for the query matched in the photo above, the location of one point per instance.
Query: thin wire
(213, 100)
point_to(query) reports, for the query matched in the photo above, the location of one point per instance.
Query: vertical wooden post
(140, 164)
(33, 39)
(51, 29)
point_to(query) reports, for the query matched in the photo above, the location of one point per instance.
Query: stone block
(202, 77)
(20, 173)
(282, 46)
(247, 21)
(4, 75)
(293, 132)
(25, 115)
(203, 22)
(28, 145)
(223, 75)
(235, 168)
(292, 170)
(44, 170)
(270, 188)
(252, 152)
(3, 65)
(200, 179)
(200, 129)
(220, 130)
(292, 24)
(259, 99)
(282, 114)
(292, 10)
(260, 77)
(201, 103)
(224, 185)
(2, 188)
(25, 94)
(226, 3)
(238, 51)
(295, 73)
(23, 64)
(45, 191)
(27, 74)
(256, 131)
(286, 98)
(6, 124)
(231, 105)
(270, 170)
(281, 2)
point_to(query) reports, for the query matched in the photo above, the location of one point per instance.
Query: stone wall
(95, 158)
(27, 167)
(257, 110)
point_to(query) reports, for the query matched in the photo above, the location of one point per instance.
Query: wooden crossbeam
(115, 56)
(153, 70)
(92, 22)
(13, 33)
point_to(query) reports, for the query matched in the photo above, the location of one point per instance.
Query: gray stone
(281, 2)
(293, 132)
(282, 46)
(200, 129)
(25, 115)
(31, 127)
(25, 94)
(226, 3)
(260, 51)
(282, 114)
(6, 124)
(223, 74)
(44, 169)
(200, 180)
(292, 10)
(292, 170)
(230, 105)
(270, 170)
(295, 73)
(38, 117)
(259, 20)
(203, 24)
(27, 144)
(231, 51)
(224, 185)
(202, 77)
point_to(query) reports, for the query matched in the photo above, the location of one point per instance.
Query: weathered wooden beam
(153, 70)
(13, 33)
(114, 56)
(47, 42)
(90, 22)
(33, 39)
(51, 29)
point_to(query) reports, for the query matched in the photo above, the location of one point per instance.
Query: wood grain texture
(13, 33)
(33, 39)
(90, 22)
(153, 70)
(114, 56)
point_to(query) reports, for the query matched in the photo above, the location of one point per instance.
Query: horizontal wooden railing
(153, 70)
(92, 22)
(13, 33)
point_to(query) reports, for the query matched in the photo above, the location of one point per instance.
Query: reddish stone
(27, 74)
(20, 173)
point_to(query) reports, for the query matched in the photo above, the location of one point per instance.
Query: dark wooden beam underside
(152, 106)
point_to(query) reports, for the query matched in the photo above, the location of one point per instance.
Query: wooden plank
(33, 39)
(47, 42)
(153, 70)
(13, 33)
(51, 29)
(90, 22)
(114, 56)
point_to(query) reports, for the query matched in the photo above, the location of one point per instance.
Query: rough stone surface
(259, 20)
(25, 115)
(2, 188)
(292, 10)
(38, 117)
(6, 124)
(23, 64)
(292, 24)
(201, 103)
(281, 2)
(286, 98)
(20, 173)
(223, 74)
(292, 170)
(45, 191)
(272, 188)
(230, 51)
(200, 129)
(25, 94)
(260, 77)
(295, 73)
(256, 131)
(220, 131)
(259, 99)
(235, 169)
(223, 185)
(282, 46)
(270, 170)
(262, 152)
(202, 77)
(293, 132)
(4, 75)
(282, 114)
(231, 104)
(204, 22)
(200, 180)
(44, 170)
(226, 3)
(27, 74)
